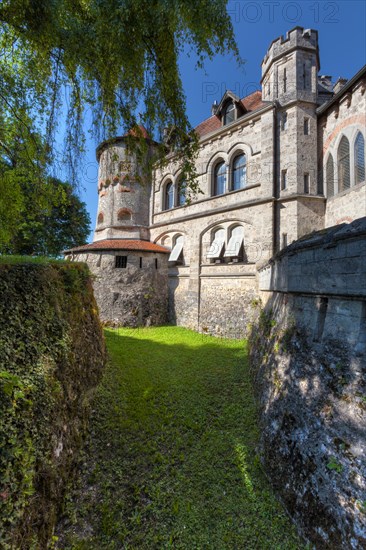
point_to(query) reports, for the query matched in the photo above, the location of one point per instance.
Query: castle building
(272, 167)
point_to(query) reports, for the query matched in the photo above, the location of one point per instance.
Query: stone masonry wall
(134, 296)
(308, 359)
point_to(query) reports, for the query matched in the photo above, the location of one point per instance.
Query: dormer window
(228, 113)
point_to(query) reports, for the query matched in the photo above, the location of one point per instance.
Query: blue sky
(341, 26)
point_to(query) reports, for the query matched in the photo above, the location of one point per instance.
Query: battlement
(296, 38)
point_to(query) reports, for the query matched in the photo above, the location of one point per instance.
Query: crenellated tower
(290, 80)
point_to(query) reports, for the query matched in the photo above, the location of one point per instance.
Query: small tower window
(284, 179)
(121, 262)
(156, 263)
(229, 113)
(306, 184)
(169, 196)
(284, 240)
(284, 121)
(100, 217)
(304, 76)
(284, 81)
(239, 172)
(219, 186)
(306, 126)
(359, 159)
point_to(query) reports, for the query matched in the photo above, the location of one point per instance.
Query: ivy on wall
(51, 356)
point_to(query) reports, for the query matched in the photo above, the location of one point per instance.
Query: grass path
(172, 461)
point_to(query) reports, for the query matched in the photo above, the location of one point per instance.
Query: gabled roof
(249, 103)
(119, 244)
(227, 95)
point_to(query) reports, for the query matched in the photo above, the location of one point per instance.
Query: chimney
(326, 80)
(339, 84)
(214, 108)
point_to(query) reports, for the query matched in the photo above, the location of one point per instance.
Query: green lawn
(172, 458)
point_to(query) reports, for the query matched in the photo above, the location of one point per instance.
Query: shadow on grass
(171, 461)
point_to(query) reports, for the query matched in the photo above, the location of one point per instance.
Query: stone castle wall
(134, 296)
(308, 357)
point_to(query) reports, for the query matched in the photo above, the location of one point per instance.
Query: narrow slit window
(284, 240)
(284, 121)
(156, 263)
(283, 180)
(140, 262)
(121, 262)
(306, 184)
(284, 81)
(306, 126)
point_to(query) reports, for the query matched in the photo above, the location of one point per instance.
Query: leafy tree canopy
(119, 57)
(38, 214)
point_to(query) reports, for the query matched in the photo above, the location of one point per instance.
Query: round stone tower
(131, 272)
(124, 191)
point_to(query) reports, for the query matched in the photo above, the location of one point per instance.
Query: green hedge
(51, 357)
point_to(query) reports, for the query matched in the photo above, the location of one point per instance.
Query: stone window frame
(351, 133)
(224, 258)
(229, 104)
(237, 153)
(168, 240)
(344, 164)
(100, 218)
(177, 194)
(220, 160)
(180, 259)
(165, 206)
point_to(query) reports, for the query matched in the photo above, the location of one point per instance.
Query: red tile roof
(120, 244)
(250, 103)
(138, 131)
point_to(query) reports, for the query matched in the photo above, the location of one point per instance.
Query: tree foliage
(38, 214)
(119, 57)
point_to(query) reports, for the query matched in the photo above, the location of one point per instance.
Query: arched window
(217, 244)
(229, 113)
(359, 159)
(124, 215)
(330, 176)
(176, 254)
(100, 217)
(181, 195)
(169, 196)
(239, 172)
(219, 186)
(344, 180)
(235, 245)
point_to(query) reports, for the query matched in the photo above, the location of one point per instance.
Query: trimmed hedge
(52, 354)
